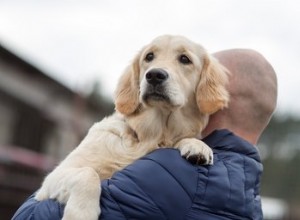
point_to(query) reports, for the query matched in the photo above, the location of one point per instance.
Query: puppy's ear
(212, 94)
(127, 92)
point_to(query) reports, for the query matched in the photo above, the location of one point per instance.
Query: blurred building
(41, 120)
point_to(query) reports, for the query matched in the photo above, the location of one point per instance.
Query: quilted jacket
(162, 185)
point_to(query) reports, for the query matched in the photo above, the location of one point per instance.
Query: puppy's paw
(195, 151)
(53, 188)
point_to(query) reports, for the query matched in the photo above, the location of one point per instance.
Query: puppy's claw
(198, 159)
(186, 155)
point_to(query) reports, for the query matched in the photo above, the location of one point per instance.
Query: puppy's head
(168, 73)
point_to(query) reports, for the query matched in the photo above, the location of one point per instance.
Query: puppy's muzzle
(156, 76)
(156, 86)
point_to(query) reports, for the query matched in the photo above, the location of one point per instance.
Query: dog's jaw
(162, 95)
(153, 94)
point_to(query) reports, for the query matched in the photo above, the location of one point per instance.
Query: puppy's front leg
(83, 203)
(195, 151)
(78, 188)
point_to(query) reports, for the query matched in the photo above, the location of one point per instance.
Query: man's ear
(127, 91)
(212, 94)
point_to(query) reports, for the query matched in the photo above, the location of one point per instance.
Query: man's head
(253, 94)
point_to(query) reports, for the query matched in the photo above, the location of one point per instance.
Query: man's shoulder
(155, 183)
(160, 166)
(165, 164)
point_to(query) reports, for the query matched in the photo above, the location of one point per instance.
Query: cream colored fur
(140, 125)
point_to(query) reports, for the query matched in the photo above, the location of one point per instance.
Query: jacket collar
(226, 140)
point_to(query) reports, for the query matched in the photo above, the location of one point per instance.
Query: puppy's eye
(184, 59)
(149, 57)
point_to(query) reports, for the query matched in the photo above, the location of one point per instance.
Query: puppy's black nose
(156, 76)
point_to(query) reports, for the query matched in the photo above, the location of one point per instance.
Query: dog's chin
(159, 100)
(156, 97)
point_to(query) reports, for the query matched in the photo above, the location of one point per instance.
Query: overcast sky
(78, 42)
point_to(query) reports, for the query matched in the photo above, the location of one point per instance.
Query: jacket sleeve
(39, 210)
(150, 188)
(113, 197)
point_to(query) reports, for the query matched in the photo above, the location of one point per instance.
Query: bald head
(253, 94)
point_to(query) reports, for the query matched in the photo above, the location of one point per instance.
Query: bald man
(253, 91)
(162, 185)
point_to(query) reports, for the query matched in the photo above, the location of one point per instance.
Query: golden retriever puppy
(163, 99)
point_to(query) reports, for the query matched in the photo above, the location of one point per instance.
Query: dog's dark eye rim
(149, 57)
(184, 59)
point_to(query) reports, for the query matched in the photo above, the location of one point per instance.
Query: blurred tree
(97, 99)
(281, 141)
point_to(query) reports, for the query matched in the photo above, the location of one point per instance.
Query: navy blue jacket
(162, 185)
